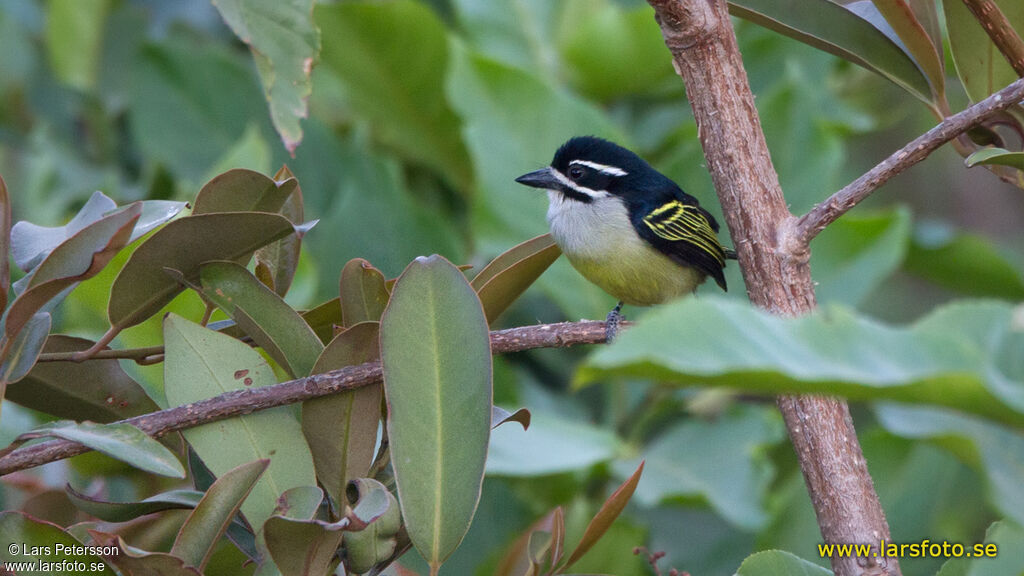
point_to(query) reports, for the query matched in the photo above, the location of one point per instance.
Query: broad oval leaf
(831, 352)
(97, 390)
(121, 441)
(263, 315)
(78, 258)
(285, 43)
(213, 514)
(836, 30)
(553, 445)
(143, 287)
(36, 542)
(201, 363)
(436, 357)
(363, 293)
(969, 264)
(31, 243)
(502, 281)
(242, 190)
(341, 429)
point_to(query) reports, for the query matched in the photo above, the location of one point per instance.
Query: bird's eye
(575, 172)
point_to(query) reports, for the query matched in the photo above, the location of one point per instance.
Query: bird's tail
(731, 254)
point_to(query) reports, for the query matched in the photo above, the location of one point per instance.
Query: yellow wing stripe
(678, 222)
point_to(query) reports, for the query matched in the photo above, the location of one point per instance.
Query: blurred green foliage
(421, 115)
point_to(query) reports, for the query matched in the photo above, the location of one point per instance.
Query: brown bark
(703, 44)
(251, 400)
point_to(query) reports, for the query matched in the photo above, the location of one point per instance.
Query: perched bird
(626, 227)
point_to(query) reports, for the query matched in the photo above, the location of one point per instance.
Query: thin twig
(250, 400)
(795, 238)
(999, 29)
(106, 354)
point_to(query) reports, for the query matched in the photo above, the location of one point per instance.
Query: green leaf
(200, 364)
(121, 441)
(143, 287)
(210, 88)
(97, 390)
(554, 444)
(838, 31)
(830, 352)
(722, 461)
(341, 429)
(74, 40)
(135, 562)
(375, 517)
(502, 281)
(38, 542)
(982, 68)
(363, 293)
(998, 450)
(520, 33)
(285, 43)
(276, 263)
(241, 190)
(76, 259)
(24, 350)
(997, 157)
(436, 358)
(302, 547)
(210, 519)
(323, 318)
(901, 16)
(966, 263)
(5, 244)
(263, 315)
(779, 563)
(604, 518)
(124, 511)
(513, 123)
(856, 254)
(31, 243)
(1008, 559)
(401, 92)
(611, 52)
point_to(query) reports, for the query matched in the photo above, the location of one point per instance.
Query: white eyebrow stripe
(603, 168)
(581, 189)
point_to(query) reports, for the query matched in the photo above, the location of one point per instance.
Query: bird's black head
(587, 168)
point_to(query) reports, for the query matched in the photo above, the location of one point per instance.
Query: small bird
(626, 227)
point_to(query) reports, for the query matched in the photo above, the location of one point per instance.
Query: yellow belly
(640, 279)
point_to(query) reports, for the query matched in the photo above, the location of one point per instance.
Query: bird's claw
(611, 329)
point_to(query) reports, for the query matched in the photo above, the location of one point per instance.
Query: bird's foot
(611, 329)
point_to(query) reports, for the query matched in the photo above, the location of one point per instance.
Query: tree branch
(249, 400)
(998, 28)
(797, 237)
(703, 44)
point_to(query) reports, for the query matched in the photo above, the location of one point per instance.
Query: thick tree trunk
(700, 36)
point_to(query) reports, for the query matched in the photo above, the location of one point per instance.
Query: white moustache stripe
(581, 189)
(602, 168)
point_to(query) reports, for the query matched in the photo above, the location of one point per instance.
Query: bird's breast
(600, 242)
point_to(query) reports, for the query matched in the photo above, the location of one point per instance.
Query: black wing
(686, 233)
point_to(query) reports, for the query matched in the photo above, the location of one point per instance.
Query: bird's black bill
(540, 179)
